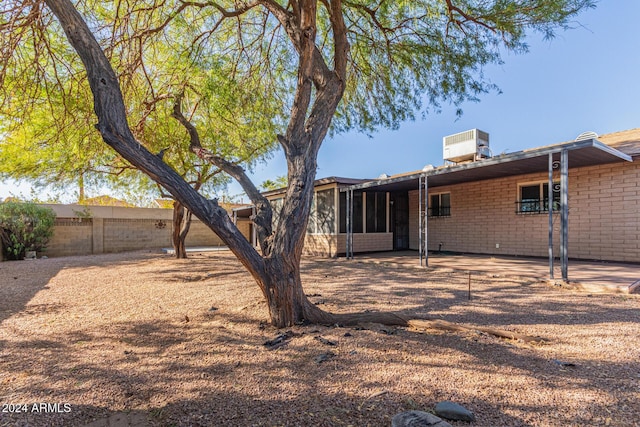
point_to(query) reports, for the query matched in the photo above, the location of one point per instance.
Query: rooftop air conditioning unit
(466, 146)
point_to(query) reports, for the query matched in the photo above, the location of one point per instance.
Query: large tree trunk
(277, 271)
(181, 225)
(288, 304)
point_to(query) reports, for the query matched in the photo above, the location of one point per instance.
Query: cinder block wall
(126, 234)
(116, 229)
(604, 217)
(71, 237)
(201, 235)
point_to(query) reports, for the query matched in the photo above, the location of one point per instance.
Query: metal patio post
(348, 220)
(420, 218)
(564, 220)
(550, 208)
(425, 222)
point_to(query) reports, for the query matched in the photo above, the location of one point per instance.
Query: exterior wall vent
(470, 145)
(586, 135)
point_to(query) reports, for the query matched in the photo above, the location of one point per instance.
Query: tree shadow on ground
(207, 374)
(433, 293)
(215, 370)
(20, 281)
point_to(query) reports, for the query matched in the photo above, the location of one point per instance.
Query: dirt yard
(164, 342)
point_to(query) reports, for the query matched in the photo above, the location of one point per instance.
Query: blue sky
(585, 79)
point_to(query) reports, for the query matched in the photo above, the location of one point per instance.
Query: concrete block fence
(85, 230)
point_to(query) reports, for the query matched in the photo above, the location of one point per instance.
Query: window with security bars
(440, 205)
(534, 198)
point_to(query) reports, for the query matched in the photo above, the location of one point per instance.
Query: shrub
(24, 227)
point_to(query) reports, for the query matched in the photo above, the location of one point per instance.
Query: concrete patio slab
(195, 249)
(594, 276)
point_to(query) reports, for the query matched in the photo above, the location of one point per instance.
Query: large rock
(453, 411)
(417, 419)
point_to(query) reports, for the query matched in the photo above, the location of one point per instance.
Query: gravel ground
(166, 342)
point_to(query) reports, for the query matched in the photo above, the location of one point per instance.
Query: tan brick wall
(604, 217)
(604, 212)
(321, 245)
(201, 235)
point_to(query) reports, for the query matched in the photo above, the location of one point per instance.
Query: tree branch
(341, 50)
(264, 214)
(467, 18)
(112, 123)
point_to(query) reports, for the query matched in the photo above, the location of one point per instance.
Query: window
(440, 204)
(322, 216)
(534, 198)
(357, 226)
(357, 213)
(377, 212)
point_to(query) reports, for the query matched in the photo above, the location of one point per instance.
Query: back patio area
(591, 276)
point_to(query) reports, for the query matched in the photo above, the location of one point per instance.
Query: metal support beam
(564, 214)
(348, 220)
(425, 221)
(423, 204)
(349, 208)
(550, 208)
(420, 218)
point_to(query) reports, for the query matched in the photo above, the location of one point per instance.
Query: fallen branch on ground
(454, 327)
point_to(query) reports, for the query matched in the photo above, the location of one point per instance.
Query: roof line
(504, 158)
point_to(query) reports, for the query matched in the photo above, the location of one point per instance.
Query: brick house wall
(332, 245)
(604, 216)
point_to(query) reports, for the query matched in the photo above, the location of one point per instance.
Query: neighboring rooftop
(627, 141)
(106, 200)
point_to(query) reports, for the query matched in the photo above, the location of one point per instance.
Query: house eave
(584, 153)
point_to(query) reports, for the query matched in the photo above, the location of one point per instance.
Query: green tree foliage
(24, 227)
(274, 184)
(290, 71)
(47, 119)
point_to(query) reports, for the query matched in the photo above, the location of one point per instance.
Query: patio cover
(588, 152)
